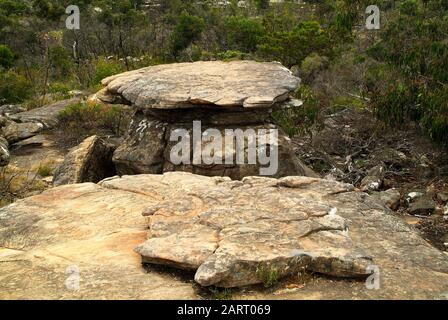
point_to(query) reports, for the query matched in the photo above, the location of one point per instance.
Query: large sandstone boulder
(221, 95)
(77, 241)
(91, 161)
(247, 84)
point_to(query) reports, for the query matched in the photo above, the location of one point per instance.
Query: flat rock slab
(91, 230)
(47, 115)
(246, 84)
(240, 233)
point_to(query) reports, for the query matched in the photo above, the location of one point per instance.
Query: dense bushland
(401, 70)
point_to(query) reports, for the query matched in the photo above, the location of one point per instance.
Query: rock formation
(17, 125)
(91, 161)
(243, 230)
(91, 230)
(222, 95)
(4, 152)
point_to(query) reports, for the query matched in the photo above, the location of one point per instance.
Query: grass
(17, 183)
(268, 275)
(44, 170)
(221, 293)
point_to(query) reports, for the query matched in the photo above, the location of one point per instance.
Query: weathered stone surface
(390, 198)
(14, 132)
(246, 84)
(256, 224)
(374, 179)
(147, 146)
(10, 109)
(4, 152)
(47, 116)
(91, 161)
(96, 228)
(422, 206)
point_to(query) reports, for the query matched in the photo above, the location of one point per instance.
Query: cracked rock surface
(246, 84)
(231, 232)
(94, 229)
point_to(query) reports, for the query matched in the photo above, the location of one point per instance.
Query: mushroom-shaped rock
(210, 118)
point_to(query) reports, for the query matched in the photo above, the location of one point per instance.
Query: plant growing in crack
(268, 275)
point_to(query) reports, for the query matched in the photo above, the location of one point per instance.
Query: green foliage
(187, 30)
(44, 170)
(243, 34)
(6, 57)
(435, 117)
(13, 88)
(413, 47)
(268, 275)
(221, 293)
(291, 47)
(60, 60)
(311, 65)
(344, 102)
(104, 68)
(230, 55)
(47, 9)
(82, 119)
(299, 119)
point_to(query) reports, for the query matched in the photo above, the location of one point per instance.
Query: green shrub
(187, 30)
(268, 275)
(291, 47)
(13, 88)
(81, 119)
(45, 170)
(411, 81)
(104, 68)
(343, 102)
(6, 57)
(230, 55)
(243, 34)
(60, 88)
(312, 64)
(299, 119)
(61, 62)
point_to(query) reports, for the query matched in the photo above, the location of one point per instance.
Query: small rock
(48, 180)
(412, 221)
(75, 93)
(46, 116)
(374, 179)
(431, 191)
(422, 206)
(442, 197)
(390, 198)
(391, 157)
(413, 195)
